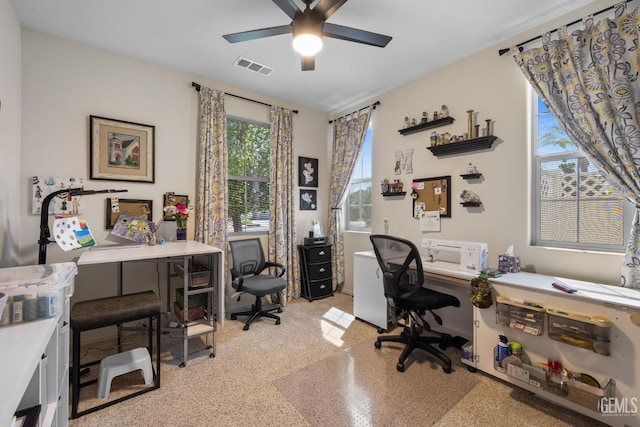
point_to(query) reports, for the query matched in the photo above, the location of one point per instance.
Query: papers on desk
(430, 221)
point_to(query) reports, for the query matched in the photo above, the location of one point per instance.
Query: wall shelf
(424, 126)
(471, 204)
(393, 193)
(463, 146)
(471, 175)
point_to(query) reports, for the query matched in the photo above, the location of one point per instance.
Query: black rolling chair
(248, 263)
(403, 278)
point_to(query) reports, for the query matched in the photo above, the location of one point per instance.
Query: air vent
(253, 66)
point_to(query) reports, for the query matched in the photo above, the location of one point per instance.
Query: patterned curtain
(282, 220)
(589, 81)
(348, 136)
(211, 200)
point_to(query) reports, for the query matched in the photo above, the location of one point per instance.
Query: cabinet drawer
(320, 288)
(319, 254)
(319, 271)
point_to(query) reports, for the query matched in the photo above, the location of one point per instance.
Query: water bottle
(502, 349)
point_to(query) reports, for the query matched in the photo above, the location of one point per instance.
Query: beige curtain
(282, 221)
(211, 200)
(348, 136)
(589, 81)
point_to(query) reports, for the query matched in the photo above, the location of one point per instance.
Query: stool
(123, 363)
(111, 311)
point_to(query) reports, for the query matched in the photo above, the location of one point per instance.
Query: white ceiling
(187, 35)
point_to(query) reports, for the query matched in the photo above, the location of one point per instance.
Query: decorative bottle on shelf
(470, 122)
(444, 112)
(407, 123)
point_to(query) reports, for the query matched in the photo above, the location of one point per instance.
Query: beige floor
(304, 373)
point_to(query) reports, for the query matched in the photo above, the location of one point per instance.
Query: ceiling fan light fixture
(307, 44)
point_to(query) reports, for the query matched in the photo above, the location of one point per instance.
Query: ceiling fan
(308, 28)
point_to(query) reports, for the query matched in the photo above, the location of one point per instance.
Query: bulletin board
(434, 194)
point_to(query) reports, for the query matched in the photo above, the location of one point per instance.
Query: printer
(454, 255)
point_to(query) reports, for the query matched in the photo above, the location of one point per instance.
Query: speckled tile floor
(318, 368)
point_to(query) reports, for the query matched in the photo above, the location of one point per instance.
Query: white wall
(65, 82)
(494, 87)
(10, 114)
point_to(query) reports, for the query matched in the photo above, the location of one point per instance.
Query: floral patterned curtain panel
(348, 136)
(589, 81)
(211, 200)
(282, 219)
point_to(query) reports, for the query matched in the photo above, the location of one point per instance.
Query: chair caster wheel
(233, 317)
(447, 369)
(246, 328)
(211, 356)
(377, 344)
(279, 309)
(278, 322)
(400, 367)
(182, 365)
(381, 331)
(443, 346)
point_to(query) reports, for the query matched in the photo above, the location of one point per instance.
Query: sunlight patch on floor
(334, 323)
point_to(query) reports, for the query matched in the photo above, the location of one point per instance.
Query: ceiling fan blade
(258, 34)
(308, 63)
(325, 8)
(289, 7)
(355, 35)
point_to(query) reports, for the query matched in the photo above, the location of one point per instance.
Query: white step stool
(122, 363)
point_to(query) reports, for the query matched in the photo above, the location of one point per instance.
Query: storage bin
(35, 291)
(198, 274)
(198, 300)
(523, 316)
(590, 332)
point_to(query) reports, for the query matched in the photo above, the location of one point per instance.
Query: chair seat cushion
(427, 299)
(97, 313)
(262, 284)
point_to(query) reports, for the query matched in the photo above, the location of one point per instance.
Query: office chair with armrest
(248, 263)
(403, 280)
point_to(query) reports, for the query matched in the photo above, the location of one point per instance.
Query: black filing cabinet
(316, 275)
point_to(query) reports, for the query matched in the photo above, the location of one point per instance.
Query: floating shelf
(471, 204)
(463, 146)
(394, 193)
(424, 126)
(471, 175)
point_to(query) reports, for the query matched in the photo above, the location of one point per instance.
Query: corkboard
(434, 193)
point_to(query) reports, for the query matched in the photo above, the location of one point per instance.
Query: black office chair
(248, 263)
(403, 280)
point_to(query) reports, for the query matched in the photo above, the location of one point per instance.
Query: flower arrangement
(180, 213)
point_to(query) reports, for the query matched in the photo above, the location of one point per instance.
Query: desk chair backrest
(401, 265)
(248, 256)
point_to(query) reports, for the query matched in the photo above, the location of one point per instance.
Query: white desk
(170, 252)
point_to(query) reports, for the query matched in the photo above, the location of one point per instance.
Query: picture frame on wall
(136, 207)
(307, 172)
(172, 199)
(308, 200)
(121, 150)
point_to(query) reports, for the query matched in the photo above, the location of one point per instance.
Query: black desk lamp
(44, 216)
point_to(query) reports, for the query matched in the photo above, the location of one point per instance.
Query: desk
(170, 252)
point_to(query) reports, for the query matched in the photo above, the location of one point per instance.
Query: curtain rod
(519, 45)
(374, 105)
(198, 87)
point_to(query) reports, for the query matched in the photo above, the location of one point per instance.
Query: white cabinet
(369, 302)
(34, 369)
(590, 300)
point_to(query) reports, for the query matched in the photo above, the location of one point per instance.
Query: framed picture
(307, 172)
(121, 151)
(172, 199)
(308, 200)
(134, 207)
(434, 194)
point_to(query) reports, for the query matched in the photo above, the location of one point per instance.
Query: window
(249, 155)
(573, 206)
(358, 212)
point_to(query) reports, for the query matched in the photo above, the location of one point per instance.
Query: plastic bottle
(515, 358)
(502, 349)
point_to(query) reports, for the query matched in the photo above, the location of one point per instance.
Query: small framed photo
(308, 200)
(135, 207)
(121, 151)
(307, 172)
(172, 199)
